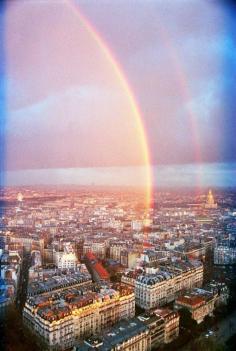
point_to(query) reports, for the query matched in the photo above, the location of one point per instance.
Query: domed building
(210, 202)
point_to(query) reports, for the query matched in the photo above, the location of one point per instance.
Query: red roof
(101, 270)
(90, 255)
(192, 301)
(146, 244)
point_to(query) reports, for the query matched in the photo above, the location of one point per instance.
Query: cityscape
(117, 175)
(94, 269)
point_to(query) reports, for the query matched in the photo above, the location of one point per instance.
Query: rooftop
(165, 313)
(193, 301)
(195, 298)
(57, 282)
(123, 331)
(54, 306)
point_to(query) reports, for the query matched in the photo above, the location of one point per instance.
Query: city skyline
(85, 268)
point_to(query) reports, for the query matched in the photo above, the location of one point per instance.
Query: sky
(65, 108)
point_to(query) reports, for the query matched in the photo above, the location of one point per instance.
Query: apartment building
(97, 247)
(163, 325)
(199, 302)
(126, 335)
(64, 318)
(156, 327)
(58, 282)
(152, 290)
(115, 250)
(171, 323)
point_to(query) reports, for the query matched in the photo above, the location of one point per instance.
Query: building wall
(82, 322)
(59, 334)
(65, 260)
(161, 293)
(140, 342)
(171, 329)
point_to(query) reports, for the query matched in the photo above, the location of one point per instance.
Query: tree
(186, 320)
(16, 336)
(205, 344)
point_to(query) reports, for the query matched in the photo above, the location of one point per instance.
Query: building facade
(65, 260)
(65, 318)
(152, 290)
(171, 324)
(200, 303)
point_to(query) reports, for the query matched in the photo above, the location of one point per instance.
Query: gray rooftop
(114, 336)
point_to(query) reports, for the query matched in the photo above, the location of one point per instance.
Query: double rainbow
(121, 77)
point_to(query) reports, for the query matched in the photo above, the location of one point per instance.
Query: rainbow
(130, 96)
(181, 79)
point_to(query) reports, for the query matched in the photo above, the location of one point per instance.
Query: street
(23, 281)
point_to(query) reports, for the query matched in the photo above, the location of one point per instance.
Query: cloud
(60, 87)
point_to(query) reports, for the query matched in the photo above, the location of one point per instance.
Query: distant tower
(210, 202)
(19, 197)
(19, 202)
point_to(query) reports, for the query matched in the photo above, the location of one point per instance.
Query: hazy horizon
(188, 175)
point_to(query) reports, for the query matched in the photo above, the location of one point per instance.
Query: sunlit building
(61, 319)
(65, 260)
(210, 202)
(115, 250)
